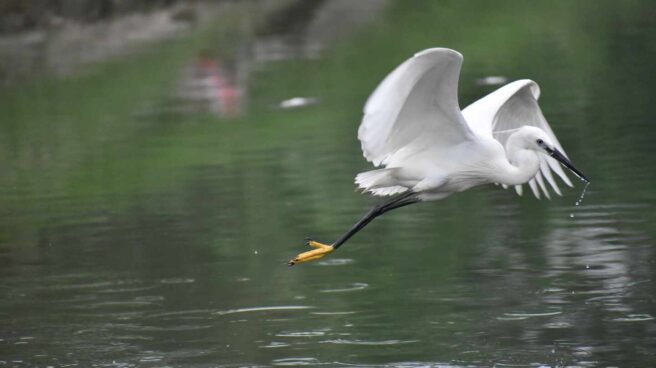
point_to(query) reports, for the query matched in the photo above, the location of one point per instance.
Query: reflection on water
(208, 86)
(163, 243)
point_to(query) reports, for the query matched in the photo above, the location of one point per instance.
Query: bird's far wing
(416, 103)
(511, 107)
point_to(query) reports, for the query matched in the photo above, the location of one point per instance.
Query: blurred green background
(151, 193)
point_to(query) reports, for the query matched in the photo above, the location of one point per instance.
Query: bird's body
(436, 173)
(428, 149)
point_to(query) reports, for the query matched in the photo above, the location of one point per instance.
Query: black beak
(567, 163)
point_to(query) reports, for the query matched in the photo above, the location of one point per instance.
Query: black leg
(322, 249)
(396, 202)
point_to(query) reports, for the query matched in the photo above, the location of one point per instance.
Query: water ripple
(336, 262)
(634, 318)
(182, 314)
(302, 333)
(296, 361)
(275, 344)
(177, 280)
(262, 309)
(557, 325)
(522, 316)
(116, 304)
(354, 287)
(367, 342)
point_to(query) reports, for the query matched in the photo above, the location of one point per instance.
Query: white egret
(428, 149)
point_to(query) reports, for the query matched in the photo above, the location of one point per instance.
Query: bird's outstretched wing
(511, 107)
(415, 104)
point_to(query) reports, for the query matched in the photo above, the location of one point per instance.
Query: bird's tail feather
(378, 182)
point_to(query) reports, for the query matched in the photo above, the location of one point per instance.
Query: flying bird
(426, 148)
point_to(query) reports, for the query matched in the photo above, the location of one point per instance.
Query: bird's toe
(320, 251)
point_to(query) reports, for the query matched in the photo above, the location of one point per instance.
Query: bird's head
(538, 140)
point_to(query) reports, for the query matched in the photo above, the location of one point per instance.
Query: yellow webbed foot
(319, 252)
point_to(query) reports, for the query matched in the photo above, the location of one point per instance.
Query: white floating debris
(492, 80)
(296, 102)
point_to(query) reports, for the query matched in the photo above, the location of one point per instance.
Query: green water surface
(135, 237)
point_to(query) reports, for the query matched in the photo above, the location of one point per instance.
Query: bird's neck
(522, 164)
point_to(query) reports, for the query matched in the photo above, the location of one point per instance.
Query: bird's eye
(540, 141)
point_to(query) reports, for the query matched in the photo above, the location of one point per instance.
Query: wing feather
(417, 103)
(511, 107)
(543, 187)
(544, 169)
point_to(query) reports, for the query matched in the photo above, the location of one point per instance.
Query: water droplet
(580, 200)
(582, 193)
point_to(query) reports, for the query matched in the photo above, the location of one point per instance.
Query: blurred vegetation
(21, 15)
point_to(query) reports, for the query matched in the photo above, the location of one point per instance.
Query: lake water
(132, 236)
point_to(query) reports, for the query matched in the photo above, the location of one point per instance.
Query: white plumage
(414, 129)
